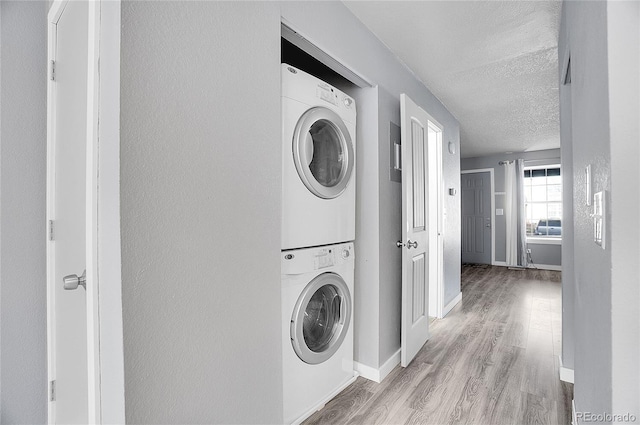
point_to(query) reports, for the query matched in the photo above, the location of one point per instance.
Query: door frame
(104, 297)
(493, 208)
(436, 286)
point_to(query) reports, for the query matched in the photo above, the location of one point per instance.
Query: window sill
(544, 241)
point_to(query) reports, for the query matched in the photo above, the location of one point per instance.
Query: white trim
(544, 241)
(368, 372)
(109, 255)
(54, 15)
(566, 374)
(436, 290)
(452, 304)
(574, 413)
(493, 207)
(389, 365)
(546, 267)
(500, 263)
(378, 375)
(501, 193)
(91, 225)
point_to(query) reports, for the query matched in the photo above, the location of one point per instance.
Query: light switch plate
(599, 218)
(587, 186)
(395, 164)
(499, 211)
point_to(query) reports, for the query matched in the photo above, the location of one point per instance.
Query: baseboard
(452, 304)
(546, 267)
(574, 414)
(566, 374)
(500, 263)
(377, 375)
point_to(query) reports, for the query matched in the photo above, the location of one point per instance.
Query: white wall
(23, 86)
(603, 40)
(200, 191)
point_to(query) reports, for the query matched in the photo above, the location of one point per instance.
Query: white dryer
(317, 327)
(318, 171)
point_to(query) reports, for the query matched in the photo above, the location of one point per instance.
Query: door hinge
(52, 390)
(52, 67)
(50, 230)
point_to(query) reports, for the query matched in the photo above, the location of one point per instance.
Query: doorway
(436, 216)
(478, 230)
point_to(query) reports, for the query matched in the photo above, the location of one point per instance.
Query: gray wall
(200, 192)
(390, 198)
(23, 84)
(367, 276)
(541, 254)
(568, 266)
(587, 41)
(353, 45)
(603, 41)
(201, 313)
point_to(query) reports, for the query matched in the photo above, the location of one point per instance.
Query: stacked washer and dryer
(318, 229)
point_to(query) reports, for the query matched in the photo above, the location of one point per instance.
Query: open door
(84, 306)
(415, 242)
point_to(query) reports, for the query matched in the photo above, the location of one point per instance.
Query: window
(543, 201)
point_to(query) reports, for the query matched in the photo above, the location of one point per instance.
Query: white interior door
(68, 216)
(415, 242)
(84, 316)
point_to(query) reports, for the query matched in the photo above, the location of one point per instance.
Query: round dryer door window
(323, 152)
(321, 318)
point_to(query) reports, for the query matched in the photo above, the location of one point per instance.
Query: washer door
(323, 152)
(321, 318)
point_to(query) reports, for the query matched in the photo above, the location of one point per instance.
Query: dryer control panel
(304, 260)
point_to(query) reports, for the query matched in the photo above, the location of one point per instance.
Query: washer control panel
(296, 261)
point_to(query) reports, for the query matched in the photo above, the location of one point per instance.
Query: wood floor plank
(342, 408)
(492, 360)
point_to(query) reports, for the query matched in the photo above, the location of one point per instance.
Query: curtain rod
(509, 161)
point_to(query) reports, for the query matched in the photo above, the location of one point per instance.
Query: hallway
(492, 360)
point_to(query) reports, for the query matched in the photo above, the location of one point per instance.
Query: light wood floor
(492, 360)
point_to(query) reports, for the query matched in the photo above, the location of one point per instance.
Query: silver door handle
(409, 244)
(72, 281)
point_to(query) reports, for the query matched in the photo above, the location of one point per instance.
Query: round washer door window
(323, 152)
(321, 318)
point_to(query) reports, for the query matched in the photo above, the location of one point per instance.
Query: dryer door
(323, 152)
(321, 318)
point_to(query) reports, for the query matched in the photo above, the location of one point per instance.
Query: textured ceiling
(492, 63)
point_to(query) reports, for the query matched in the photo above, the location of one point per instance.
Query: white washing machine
(317, 327)
(318, 171)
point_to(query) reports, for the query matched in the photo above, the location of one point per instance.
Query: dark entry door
(476, 218)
